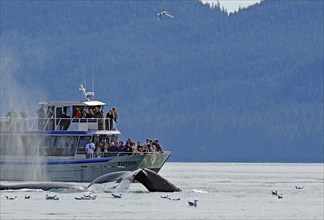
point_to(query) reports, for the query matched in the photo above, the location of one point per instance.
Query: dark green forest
(244, 87)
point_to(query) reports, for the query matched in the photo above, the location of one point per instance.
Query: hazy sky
(232, 5)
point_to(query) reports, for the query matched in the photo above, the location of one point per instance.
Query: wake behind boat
(51, 147)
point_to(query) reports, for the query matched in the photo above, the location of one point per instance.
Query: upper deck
(87, 115)
(58, 124)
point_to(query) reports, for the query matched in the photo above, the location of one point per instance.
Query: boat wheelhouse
(51, 147)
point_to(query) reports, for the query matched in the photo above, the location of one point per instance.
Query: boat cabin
(61, 128)
(74, 116)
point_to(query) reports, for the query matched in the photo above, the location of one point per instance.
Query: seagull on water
(194, 203)
(174, 199)
(117, 196)
(52, 197)
(87, 195)
(165, 13)
(165, 197)
(280, 196)
(11, 198)
(27, 197)
(299, 187)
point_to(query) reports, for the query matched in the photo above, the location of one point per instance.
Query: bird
(84, 197)
(52, 197)
(275, 192)
(165, 13)
(87, 195)
(11, 198)
(299, 187)
(280, 196)
(165, 197)
(117, 196)
(27, 197)
(56, 197)
(194, 203)
(174, 199)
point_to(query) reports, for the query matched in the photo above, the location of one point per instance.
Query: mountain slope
(211, 87)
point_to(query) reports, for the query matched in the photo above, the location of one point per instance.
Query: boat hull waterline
(76, 170)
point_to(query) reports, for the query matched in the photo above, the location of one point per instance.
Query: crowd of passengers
(84, 113)
(96, 113)
(128, 147)
(13, 119)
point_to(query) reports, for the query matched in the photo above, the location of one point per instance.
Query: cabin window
(61, 146)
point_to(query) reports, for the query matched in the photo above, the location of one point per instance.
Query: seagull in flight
(164, 13)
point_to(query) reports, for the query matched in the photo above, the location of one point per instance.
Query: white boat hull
(75, 170)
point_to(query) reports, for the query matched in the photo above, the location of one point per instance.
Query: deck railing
(126, 153)
(56, 124)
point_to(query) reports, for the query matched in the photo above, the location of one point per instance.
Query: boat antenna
(84, 75)
(83, 81)
(93, 70)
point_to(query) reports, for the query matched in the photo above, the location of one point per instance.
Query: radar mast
(86, 94)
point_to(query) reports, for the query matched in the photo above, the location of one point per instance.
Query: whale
(150, 179)
(41, 186)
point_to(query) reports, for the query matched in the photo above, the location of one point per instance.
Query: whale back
(154, 182)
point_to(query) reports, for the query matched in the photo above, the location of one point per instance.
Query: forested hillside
(211, 87)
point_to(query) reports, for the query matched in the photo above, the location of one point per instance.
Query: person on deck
(90, 148)
(41, 117)
(64, 121)
(77, 113)
(111, 119)
(50, 114)
(24, 115)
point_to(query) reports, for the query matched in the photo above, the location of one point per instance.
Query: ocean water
(223, 191)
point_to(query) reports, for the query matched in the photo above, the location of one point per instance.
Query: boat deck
(57, 124)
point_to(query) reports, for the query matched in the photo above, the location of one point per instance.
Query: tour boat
(51, 147)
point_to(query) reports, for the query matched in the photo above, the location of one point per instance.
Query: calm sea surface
(224, 191)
